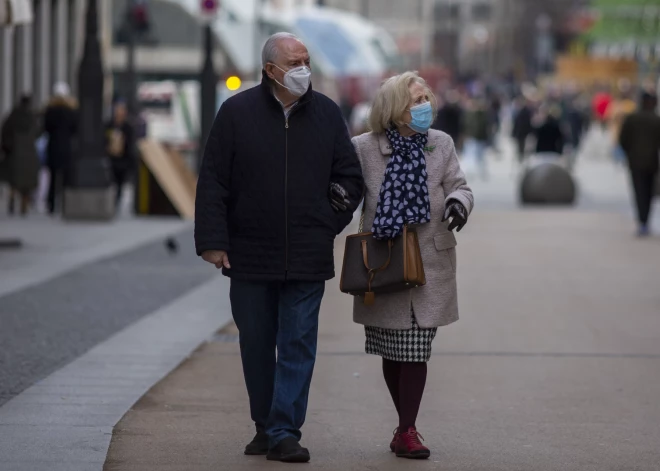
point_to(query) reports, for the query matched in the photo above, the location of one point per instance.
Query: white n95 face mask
(297, 80)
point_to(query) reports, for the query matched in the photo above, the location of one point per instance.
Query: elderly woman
(400, 327)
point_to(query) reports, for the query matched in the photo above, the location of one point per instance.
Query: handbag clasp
(370, 296)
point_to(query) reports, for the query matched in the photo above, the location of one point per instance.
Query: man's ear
(269, 71)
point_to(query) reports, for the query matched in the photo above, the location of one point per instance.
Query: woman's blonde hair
(393, 100)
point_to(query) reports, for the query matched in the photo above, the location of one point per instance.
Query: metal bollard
(547, 180)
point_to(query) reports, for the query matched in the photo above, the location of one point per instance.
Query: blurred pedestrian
(549, 135)
(600, 103)
(61, 125)
(495, 111)
(279, 181)
(400, 327)
(477, 134)
(640, 140)
(19, 135)
(576, 121)
(359, 116)
(120, 146)
(450, 118)
(616, 113)
(522, 126)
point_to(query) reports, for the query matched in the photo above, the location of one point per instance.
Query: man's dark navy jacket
(262, 194)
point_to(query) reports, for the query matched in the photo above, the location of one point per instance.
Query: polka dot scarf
(404, 195)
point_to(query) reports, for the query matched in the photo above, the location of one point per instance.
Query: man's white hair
(270, 50)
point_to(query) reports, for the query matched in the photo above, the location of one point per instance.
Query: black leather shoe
(258, 445)
(288, 451)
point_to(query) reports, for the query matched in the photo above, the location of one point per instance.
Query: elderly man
(279, 181)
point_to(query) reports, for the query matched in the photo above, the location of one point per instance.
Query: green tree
(621, 20)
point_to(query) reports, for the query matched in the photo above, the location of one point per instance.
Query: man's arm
(6, 136)
(624, 136)
(211, 232)
(346, 171)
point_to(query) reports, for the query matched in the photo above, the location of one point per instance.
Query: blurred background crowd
(533, 72)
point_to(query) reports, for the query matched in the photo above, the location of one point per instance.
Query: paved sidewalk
(555, 365)
(601, 185)
(64, 422)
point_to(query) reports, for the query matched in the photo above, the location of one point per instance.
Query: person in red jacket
(601, 103)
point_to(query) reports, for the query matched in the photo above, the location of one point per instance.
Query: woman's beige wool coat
(436, 303)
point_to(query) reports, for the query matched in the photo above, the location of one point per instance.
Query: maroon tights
(406, 382)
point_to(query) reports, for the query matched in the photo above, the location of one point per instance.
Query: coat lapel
(432, 144)
(384, 144)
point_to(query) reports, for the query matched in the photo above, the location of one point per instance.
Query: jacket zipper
(286, 198)
(286, 187)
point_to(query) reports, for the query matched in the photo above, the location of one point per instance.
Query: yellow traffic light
(233, 83)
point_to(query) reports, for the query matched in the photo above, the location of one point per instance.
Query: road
(49, 324)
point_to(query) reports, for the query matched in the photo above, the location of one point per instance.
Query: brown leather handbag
(376, 266)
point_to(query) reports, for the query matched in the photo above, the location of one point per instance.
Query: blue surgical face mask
(422, 117)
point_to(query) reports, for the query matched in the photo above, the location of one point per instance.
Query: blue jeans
(282, 316)
(476, 150)
(619, 155)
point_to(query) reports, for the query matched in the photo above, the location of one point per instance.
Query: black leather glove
(338, 197)
(458, 214)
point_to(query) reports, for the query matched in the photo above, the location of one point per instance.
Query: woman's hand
(458, 215)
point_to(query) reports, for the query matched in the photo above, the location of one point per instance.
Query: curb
(65, 421)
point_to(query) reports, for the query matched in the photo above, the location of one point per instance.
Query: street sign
(15, 12)
(209, 8)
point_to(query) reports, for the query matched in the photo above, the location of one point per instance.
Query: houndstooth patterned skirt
(412, 345)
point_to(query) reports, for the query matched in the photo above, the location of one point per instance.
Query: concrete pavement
(91, 316)
(555, 365)
(64, 422)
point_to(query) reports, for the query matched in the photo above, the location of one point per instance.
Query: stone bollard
(547, 180)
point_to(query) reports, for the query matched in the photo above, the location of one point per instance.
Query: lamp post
(544, 44)
(88, 193)
(137, 31)
(131, 79)
(208, 79)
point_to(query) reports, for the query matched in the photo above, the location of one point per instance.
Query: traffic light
(139, 15)
(233, 83)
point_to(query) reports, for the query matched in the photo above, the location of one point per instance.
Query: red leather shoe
(410, 446)
(395, 439)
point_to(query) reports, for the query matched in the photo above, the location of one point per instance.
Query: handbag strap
(361, 226)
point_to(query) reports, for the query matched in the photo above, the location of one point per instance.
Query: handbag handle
(365, 256)
(369, 295)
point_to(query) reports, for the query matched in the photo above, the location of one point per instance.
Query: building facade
(451, 33)
(39, 48)
(43, 46)
(483, 37)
